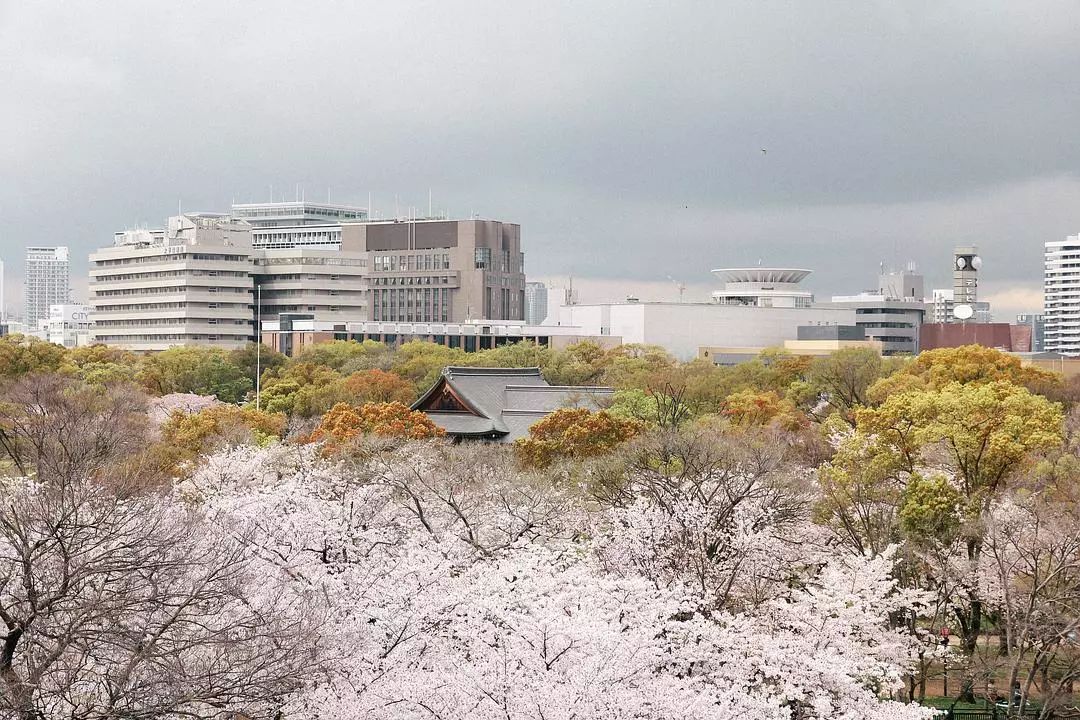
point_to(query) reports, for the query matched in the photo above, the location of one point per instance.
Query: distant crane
(681, 286)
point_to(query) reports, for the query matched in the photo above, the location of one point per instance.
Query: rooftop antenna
(429, 202)
(370, 212)
(271, 193)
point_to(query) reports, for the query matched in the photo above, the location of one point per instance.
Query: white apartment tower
(536, 303)
(189, 284)
(47, 282)
(1061, 296)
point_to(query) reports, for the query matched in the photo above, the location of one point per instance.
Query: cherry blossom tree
(459, 587)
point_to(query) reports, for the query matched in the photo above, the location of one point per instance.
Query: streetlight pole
(258, 345)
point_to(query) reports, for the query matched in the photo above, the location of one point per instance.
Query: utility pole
(258, 345)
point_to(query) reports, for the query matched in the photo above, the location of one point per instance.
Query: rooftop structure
(301, 212)
(499, 404)
(762, 287)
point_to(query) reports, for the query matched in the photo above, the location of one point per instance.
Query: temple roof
(499, 403)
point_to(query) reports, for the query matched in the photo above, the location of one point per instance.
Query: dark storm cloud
(625, 137)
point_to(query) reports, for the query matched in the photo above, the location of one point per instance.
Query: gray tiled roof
(508, 400)
(465, 424)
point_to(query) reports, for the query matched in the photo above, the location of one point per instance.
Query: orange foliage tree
(378, 386)
(747, 407)
(344, 422)
(574, 433)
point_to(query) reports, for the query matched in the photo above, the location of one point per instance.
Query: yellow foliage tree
(969, 364)
(749, 408)
(985, 430)
(194, 433)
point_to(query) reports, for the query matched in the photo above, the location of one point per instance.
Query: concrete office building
(758, 307)
(324, 283)
(441, 270)
(536, 303)
(1038, 330)
(299, 265)
(190, 284)
(892, 313)
(1061, 296)
(47, 282)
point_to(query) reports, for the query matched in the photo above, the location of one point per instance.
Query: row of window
(168, 322)
(349, 262)
(411, 305)
(165, 337)
(172, 290)
(169, 306)
(171, 257)
(173, 273)
(411, 263)
(422, 280)
(276, 309)
(309, 291)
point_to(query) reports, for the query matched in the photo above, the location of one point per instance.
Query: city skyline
(641, 128)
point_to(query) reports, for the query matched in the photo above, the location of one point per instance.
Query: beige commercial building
(189, 284)
(441, 270)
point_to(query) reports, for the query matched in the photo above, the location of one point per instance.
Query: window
(482, 258)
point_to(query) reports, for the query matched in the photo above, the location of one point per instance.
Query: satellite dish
(961, 263)
(976, 262)
(963, 312)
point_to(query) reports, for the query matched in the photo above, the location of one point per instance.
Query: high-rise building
(47, 281)
(1038, 329)
(441, 270)
(189, 284)
(1061, 296)
(536, 303)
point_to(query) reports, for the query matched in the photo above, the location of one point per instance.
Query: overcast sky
(625, 137)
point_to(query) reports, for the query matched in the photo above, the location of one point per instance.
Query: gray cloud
(625, 137)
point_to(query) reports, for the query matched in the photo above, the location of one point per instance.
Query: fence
(990, 713)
